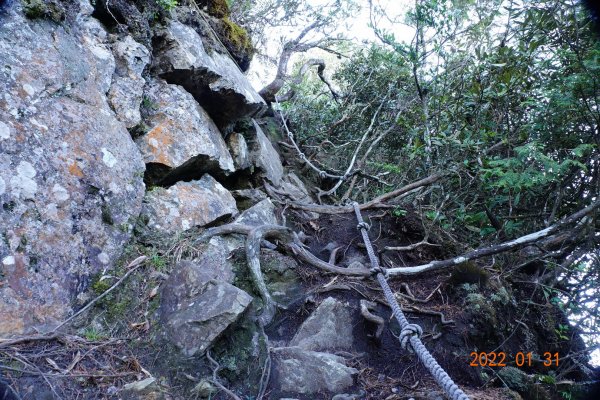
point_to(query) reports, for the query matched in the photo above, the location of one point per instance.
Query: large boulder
(182, 141)
(306, 372)
(329, 327)
(187, 204)
(125, 95)
(213, 78)
(197, 307)
(70, 175)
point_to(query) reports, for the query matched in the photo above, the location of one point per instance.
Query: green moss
(35, 9)
(167, 5)
(501, 296)
(158, 262)
(237, 360)
(237, 36)
(93, 335)
(100, 286)
(218, 8)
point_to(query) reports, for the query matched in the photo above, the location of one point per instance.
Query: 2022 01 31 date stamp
(520, 359)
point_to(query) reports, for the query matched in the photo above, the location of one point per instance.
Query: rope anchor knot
(363, 225)
(407, 332)
(378, 270)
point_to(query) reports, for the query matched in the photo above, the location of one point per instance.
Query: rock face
(70, 174)
(213, 79)
(264, 156)
(181, 140)
(187, 204)
(196, 308)
(125, 95)
(329, 327)
(306, 372)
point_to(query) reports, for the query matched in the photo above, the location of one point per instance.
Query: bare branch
(499, 248)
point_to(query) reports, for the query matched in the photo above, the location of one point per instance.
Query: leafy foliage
(504, 99)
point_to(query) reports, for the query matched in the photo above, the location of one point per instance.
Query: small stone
(262, 213)
(108, 158)
(199, 321)
(204, 389)
(29, 89)
(8, 261)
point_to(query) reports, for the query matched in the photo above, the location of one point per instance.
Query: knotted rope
(410, 333)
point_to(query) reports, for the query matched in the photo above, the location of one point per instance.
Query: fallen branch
(499, 248)
(410, 247)
(25, 339)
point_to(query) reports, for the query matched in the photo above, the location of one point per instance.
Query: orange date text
(500, 359)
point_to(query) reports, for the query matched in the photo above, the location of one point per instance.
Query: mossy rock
(237, 41)
(515, 379)
(52, 9)
(469, 272)
(218, 8)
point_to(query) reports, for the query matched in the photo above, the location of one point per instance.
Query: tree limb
(499, 248)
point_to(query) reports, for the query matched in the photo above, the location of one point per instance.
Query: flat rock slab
(264, 156)
(180, 57)
(306, 372)
(187, 204)
(329, 327)
(262, 213)
(181, 136)
(71, 177)
(187, 280)
(198, 322)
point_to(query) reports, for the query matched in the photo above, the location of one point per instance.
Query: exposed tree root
(365, 310)
(215, 379)
(415, 309)
(377, 202)
(252, 257)
(290, 242)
